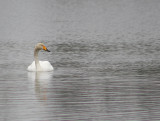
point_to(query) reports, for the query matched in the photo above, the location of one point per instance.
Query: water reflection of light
(40, 80)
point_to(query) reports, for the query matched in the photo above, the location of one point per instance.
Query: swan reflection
(40, 80)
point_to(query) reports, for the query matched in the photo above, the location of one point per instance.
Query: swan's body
(40, 65)
(45, 66)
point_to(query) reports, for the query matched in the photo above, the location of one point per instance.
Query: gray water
(105, 54)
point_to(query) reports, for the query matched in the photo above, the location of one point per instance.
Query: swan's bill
(44, 48)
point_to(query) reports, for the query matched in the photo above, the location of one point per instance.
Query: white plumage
(40, 65)
(45, 66)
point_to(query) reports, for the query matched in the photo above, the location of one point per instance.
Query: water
(105, 56)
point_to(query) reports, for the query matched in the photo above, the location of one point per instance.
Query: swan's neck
(38, 67)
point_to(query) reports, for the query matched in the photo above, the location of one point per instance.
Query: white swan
(40, 65)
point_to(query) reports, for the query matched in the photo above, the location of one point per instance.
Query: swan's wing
(32, 67)
(46, 66)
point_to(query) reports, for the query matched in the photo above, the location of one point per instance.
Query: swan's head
(41, 46)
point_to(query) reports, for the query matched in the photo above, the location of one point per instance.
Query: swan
(40, 65)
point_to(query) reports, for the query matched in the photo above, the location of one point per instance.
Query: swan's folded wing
(32, 67)
(46, 66)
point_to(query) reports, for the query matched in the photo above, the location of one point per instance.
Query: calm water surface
(106, 58)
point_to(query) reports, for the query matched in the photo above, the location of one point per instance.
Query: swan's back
(45, 66)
